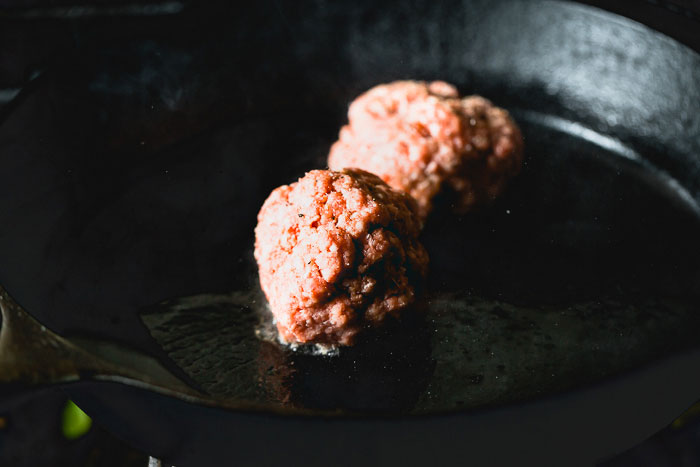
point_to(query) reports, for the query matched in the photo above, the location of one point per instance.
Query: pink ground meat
(423, 138)
(337, 252)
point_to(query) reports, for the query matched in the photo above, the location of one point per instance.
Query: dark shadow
(385, 372)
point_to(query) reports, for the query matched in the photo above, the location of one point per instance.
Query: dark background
(33, 34)
(30, 435)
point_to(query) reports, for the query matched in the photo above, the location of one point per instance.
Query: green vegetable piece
(75, 423)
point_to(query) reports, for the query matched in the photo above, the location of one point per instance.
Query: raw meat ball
(337, 252)
(423, 138)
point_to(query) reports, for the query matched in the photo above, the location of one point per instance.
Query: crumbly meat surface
(422, 138)
(337, 252)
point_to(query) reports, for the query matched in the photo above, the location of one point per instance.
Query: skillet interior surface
(569, 278)
(133, 171)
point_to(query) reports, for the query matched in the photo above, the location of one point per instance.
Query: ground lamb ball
(337, 252)
(423, 138)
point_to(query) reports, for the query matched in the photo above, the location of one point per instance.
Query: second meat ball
(422, 138)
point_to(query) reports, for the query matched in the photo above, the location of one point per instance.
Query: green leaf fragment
(75, 423)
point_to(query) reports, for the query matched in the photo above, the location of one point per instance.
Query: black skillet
(561, 322)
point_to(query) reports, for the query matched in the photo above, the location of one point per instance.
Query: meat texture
(337, 252)
(422, 138)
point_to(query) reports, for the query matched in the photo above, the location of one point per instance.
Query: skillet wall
(133, 168)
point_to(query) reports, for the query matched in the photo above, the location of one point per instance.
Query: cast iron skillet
(561, 321)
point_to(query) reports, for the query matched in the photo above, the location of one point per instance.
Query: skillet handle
(32, 355)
